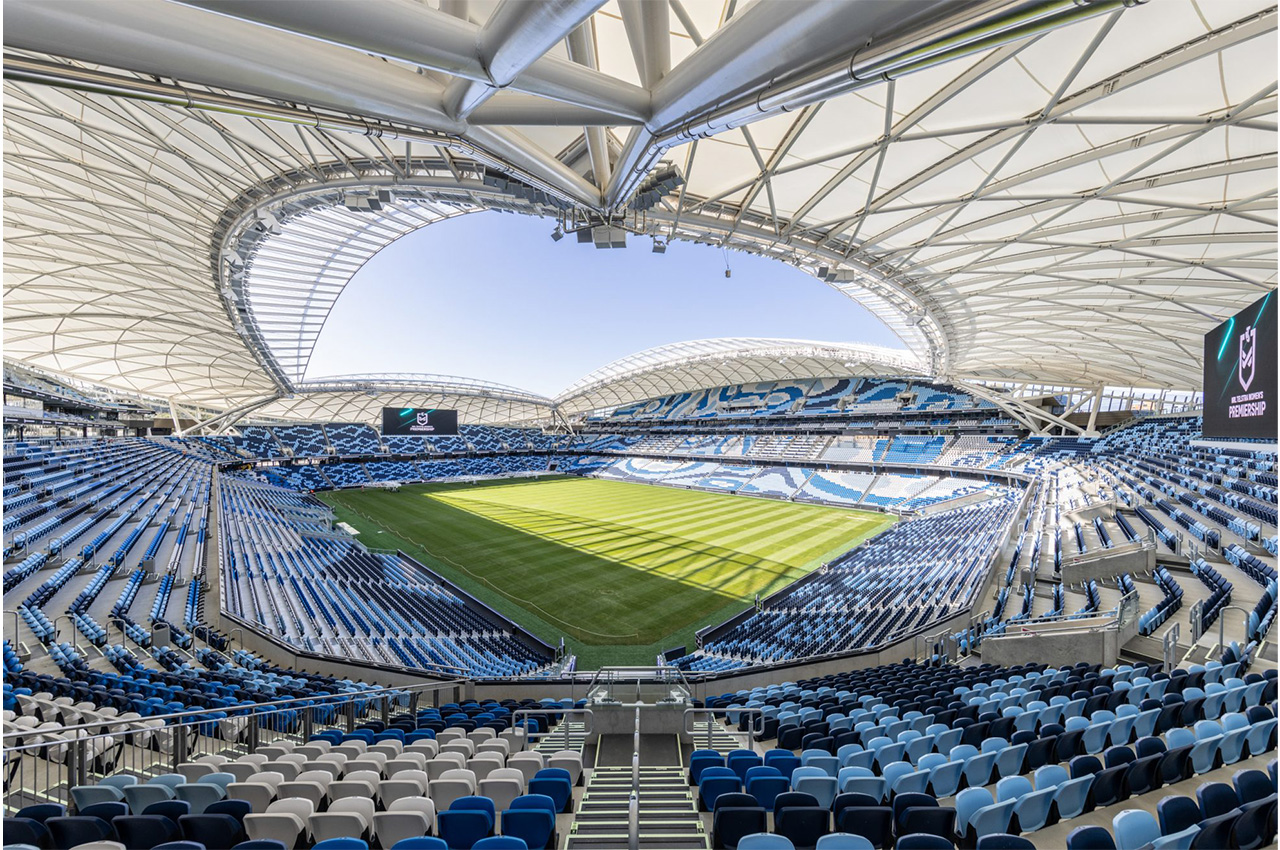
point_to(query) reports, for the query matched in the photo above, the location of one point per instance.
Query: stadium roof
(1042, 190)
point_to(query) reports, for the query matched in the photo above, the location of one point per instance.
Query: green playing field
(620, 570)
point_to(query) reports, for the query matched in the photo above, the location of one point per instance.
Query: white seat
(481, 735)
(310, 751)
(330, 767)
(528, 763)
(445, 791)
(360, 786)
(495, 745)
(409, 761)
(241, 770)
(570, 760)
(271, 751)
(268, 777)
(284, 827)
(213, 759)
(427, 747)
(484, 764)
(312, 791)
(100, 845)
(254, 758)
(258, 794)
(326, 825)
(295, 757)
(445, 761)
(444, 736)
(391, 749)
(286, 769)
(393, 827)
(294, 805)
(362, 765)
(462, 745)
(362, 805)
(193, 770)
(502, 790)
(350, 749)
(390, 790)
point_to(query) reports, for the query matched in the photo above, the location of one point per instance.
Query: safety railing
(563, 728)
(754, 728)
(44, 759)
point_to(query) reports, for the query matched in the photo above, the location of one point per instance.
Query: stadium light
(557, 234)
(659, 246)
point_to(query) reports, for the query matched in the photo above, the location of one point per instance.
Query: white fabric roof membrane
(1072, 195)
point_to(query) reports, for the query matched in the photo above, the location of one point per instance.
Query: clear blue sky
(491, 296)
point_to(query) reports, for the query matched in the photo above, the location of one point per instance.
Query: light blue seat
(968, 803)
(918, 748)
(87, 795)
(1032, 810)
(929, 761)
(1134, 829)
(827, 763)
(847, 750)
(200, 795)
(1260, 735)
(823, 788)
(141, 796)
(917, 781)
(1177, 841)
(844, 841)
(1095, 737)
(1120, 730)
(866, 758)
(977, 769)
(993, 745)
(895, 770)
(1009, 760)
(1231, 747)
(1072, 796)
(946, 740)
(1144, 726)
(1050, 776)
(847, 773)
(1204, 754)
(1012, 787)
(120, 780)
(890, 753)
(765, 841)
(945, 778)
(873, 786)
(993, 820)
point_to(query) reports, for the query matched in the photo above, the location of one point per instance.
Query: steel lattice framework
(1025, 190)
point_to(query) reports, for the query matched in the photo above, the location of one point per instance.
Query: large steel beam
(413, 32)
(170, 40)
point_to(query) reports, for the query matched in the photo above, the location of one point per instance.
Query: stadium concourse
(1009, 584)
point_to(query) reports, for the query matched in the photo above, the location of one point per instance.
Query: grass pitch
(621, 570)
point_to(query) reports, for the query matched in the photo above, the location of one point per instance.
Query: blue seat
(1004, 841)
(1090, 838)
(555, 783)
(535, 826)
(1252, 785)
(341, 844)
(1134, 828)
(765, 841)
(28, 831)
(875, 823)
(262, 844)
(42, 811)
(501, 842)
(740, 760)
(1216, 798)
(731, 823)
(199, 795)
(84, 796)
(179, 845)
(923, 841)
(107, 811)
(423, 843)
(710, 789)
(701, 759)
(844, 841)
(141, 796)
(462, 828)
(765, 789)
(144, 831)
(67, 832)
(211, 830)
(171, 809)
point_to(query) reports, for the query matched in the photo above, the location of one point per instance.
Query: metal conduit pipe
(1009, 22)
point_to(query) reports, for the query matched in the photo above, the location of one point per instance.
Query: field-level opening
(621, 570)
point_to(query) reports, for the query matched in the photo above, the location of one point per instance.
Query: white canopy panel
(1043, 190)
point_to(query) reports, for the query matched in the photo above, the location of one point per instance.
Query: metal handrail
(588, 715)
(202, 715)
(757, 728)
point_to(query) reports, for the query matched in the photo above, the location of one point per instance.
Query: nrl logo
(424, 418)
(1248, 355)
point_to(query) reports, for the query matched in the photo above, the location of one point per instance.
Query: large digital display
(418, 422)
(1240, 374)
